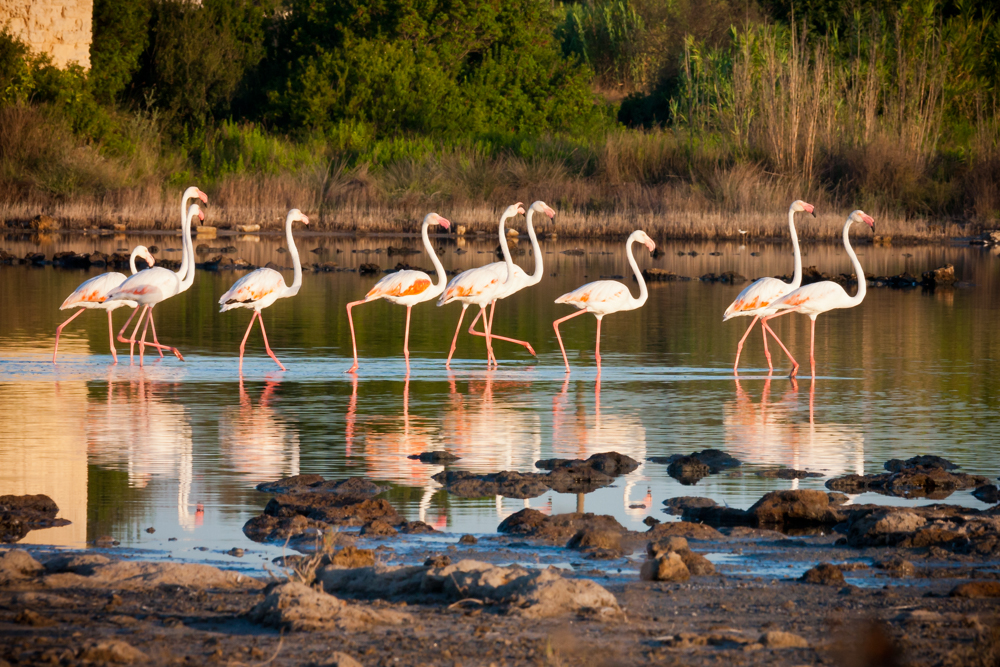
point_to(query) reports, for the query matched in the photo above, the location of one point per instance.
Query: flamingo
(405, 288)
(519, 280)
(259, 289)
(817, 298)
(603, 297)
(93, 294)
(757, 299)
(157, 284)
(480, 286)
(186, 263)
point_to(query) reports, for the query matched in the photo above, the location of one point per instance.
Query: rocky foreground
(801, 577)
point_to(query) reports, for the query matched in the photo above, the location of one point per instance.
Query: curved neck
(536, 276)
(187, 263)
(862, 282)
(187, 280)
(296, 262)
(643, 292)
(503, 247)
(131, 260)
(441, 275)
(797, 273)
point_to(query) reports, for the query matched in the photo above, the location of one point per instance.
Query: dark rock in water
(668, 567)
(661, 276)
(294, 513)
(801, 507)
(688, 470)
(468, 539)
(19, 515)
(437, 560)
(577, 479)
(924, 460)
(416, 528)
(681, 503)
(392, 250)
(576, 252)
(824, 574)
(609, 463)
(378, 528)
(289, 484)
(910, 481)
(404, 266)
(557, 528)
(715, 459)
(728, 277)
(896, 566)
(593, 539)
(944, 275)
(786, 473)
(438, 456)
(510, 484)
(987, 493)
(369, 269)
(685, 529)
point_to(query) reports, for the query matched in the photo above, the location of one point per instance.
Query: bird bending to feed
(757, 299)
(480, 286)
(519, 279)
(259, 289)
(405, 288)
(93, 294)
(186, 264)
(817, 298)
(157, 284)
(604, 297)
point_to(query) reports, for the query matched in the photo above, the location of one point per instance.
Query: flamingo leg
(131, 340)
(812, 348)
(354, 343)
(555, 325)
(597, 348)
(406, 341)
(267, 346)
(121, 338)
(111, 337)
(149, 321)
(739, 346)
(243, 344)
(60, 328)
(767, 352)
(769, 330)
(142, 341)
(454, 341)
(489, 328)
(152, 326)
(489, 338)
(525, 343)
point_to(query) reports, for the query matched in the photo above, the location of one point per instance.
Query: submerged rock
(510, 484)
(686, 529)
(439, 456)
(681, 503)
(556, 528)
(786, 473)
(987, 493)
(977, 589)
(19, 515)
(924, 460)
(931, 481)
(597, 540)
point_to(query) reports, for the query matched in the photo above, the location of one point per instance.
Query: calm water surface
(180, 446)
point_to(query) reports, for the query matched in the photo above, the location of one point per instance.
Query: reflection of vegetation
(113, 507)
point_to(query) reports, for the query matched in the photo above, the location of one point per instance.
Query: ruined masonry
(61, 29)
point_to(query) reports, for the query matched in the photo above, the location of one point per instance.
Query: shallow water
(180, 446)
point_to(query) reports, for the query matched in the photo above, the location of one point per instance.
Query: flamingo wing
(400, 283)
(758, 294)
(154, 284)
(599, 294)
(815, 298)
(474, 282)
(251, 288)
(94, 290)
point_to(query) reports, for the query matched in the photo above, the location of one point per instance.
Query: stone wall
(60, 28)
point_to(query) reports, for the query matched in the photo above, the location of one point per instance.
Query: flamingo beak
(201, 215)
(650, 245)
(810, 209)
(202, 196)
(150, 260)
(305, 220)
(870, 220)
(549, 212)
(444, 223)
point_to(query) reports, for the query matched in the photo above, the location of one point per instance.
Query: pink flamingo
(259, 289)
(157, 284)
(817, 298)
(93, 294)
(480, 287)
(603, 297)
(405, 288)
(519, 280)
(186, 263)
(758, 297)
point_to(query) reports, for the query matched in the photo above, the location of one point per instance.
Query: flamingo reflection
(255, 441)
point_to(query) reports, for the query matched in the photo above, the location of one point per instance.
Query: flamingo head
(297, 215)
(541, 207)
(435, 219)
(146, 255)
(193, 192)
(644, 239)
(800, 206)
(861, 216)
(202, 196)
(195, 211)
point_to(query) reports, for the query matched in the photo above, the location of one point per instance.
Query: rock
(882, 527)
(19, 515)
(378, 528)
(265, 528)
(697, 565)
(896, 566)
(558, 527)
(115, 651)
(297, 607)
(468, 539)
(824, 574)
(665, 545)
(338, 659)
(289, 484)
(438, 560)
(151, 530)
(248, 229)
(691, 531)
(688, 470)
(924, 460)
(693, 467)
(987, 493)
(727, 277)
(778, 639)
(577, 479)
(78, 563)
(786, 473)
(609, 463)
(17, 564)
(668, 567)
(590, 539)
(320, 510)
(977, 589)
(679, 504)
(369, 269)
(350, 556)
(510, 484)
(909, 481)
(653, 275)
(944, 275)
(800, 507)
(438, 457)
(416, 528)
(236, 552)
(44, 223)
(34, 619)
(138, 575)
